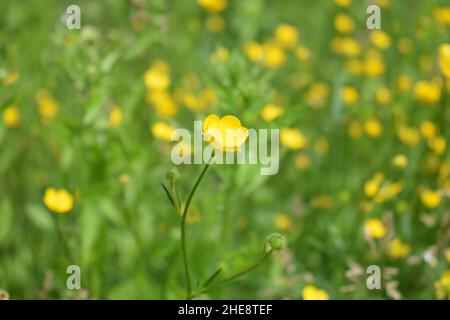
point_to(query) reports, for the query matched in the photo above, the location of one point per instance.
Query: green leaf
(40, 217)
(212, 277)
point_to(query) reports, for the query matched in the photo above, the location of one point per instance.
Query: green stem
(233, 276)
(183, 228)
(62, 239)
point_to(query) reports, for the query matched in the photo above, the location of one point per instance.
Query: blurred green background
(364, 164)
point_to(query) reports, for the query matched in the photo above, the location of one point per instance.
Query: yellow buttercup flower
(115, 116)
(405, 45)
(163, 102)
(442, 15)
(220, 54)
(343, 3)
(303, 53)
(397, 249)
(408, 135)
(374, 228)
(428, 92)
(431, 199)
(380, 39)
(215, 23)
(213, 6)
(283, 222)
(47, 105)
(400, 161)
(310, 292)
(162, 131)
(384, 96)
(302, 162)
(442, 286)
(350, 95)
(444, 59)
(438, 144)
(317, 94)
(274, 56)
(346, 46)
(271, 111)
(58, 200)
(373, 128)
(157, 77)
(226, 133)
(404, 83)
(344, 23)
(373, 64)
(286, 35)
(354, 66)
(11, 116)
(354, 130)
(428, 129)
(292, 138)
(254, 51)
(372, 186)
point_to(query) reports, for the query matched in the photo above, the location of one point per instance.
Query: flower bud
(172, 176)
(274, 242)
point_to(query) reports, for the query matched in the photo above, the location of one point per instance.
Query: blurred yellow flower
(383, 96)
(215, 23)
(226, 133)
(58, 200)
(346, 46)
(115, 116)
(162, 131)
(374, 228)
(292, 138)
(408, 135)
(344, 23)
(343, 3)
(286, 35)
(397, 249)
(283, 222)
(349, 95)
(444, 59)
(380, 39)
(400, 161)
(11, 78)
(442, 286)
(373, 128)
(428, 129)
(372, 186)
(404, 83)
(274, 56)
(442, 15)
(438, 144)
(355, 130)
(302, 162)
(322, 202)
(157, 77)
(310, 292)
(302, 53)
(373, 64)
(317, 94)
(213, 6)
(428, 92)
(11, 116)
(322, 146)
(405, 45)
(163, 102)
(271, 111)
(47, 105)
(254, 51)
(354, 66)
(220, 54)
(431, 199)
